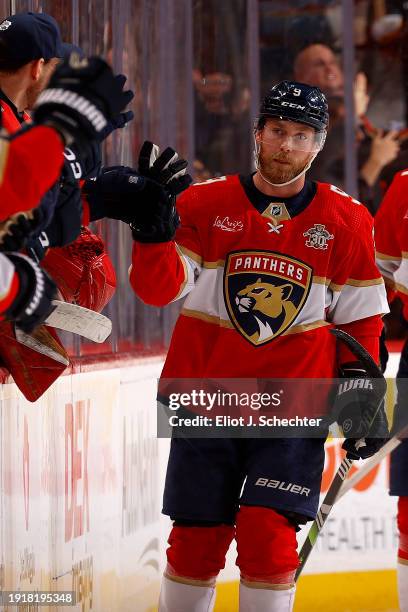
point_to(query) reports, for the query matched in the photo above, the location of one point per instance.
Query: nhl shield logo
(276, 210)
(264, 292)
(4, 25)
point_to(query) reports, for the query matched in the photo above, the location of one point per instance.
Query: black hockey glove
(33, 303)
(115, 193)
(165, 168)
(81, 99)
(86, 162)
(122, 119)
(121, 193)
(157, 221)
(360, 413)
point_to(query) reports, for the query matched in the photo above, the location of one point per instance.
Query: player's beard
(277, 174)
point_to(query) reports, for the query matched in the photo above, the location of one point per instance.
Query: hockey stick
(333, 493)
(371, 463)
(322, 514)
(78, 320)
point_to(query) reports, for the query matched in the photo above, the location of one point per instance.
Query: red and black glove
(32, 303)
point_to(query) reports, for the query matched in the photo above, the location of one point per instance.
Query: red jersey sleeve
(164, 272)
(390, 238)
(29, 165)
(358, 293)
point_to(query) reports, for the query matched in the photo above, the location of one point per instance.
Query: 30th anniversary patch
(264, 292)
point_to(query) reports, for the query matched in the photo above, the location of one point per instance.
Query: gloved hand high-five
(120, 120)
(158, 221)
(165, 168)
(145, 198)
(86, 162)
(82, 98)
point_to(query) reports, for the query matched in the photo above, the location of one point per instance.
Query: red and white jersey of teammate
(391, 238)
(262, 295)
(29, 166)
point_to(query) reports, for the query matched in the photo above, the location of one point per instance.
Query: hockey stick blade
(78, 320)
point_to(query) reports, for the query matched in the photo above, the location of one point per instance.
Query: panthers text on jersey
(263, 289)
(391, 238)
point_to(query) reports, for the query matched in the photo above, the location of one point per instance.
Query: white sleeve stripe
(6, 276)
(355, 303)
(191, 270)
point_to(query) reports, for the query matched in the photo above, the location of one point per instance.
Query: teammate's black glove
(121, 120)
(86, 162)
(360, 413)
(116, 193)
(82, 97)
(33, 304)
(121, 193)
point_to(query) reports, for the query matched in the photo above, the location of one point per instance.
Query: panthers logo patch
(264, 292)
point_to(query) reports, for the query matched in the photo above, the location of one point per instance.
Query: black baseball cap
(29, 36)
(68, 48)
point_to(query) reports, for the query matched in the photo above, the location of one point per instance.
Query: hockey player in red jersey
(30, 45)
(268, 263)
(88, 276)
(391, 239)
(37, 154)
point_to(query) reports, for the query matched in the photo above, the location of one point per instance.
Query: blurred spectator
(284, 29)
(318, 65)
(221, 122)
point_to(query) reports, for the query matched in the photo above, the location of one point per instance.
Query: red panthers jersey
(391, 238)
(262, 290)
(24, 179)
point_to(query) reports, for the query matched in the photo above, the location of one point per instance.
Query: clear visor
(304, 139)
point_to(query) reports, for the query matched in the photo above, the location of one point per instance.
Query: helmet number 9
(296, 92)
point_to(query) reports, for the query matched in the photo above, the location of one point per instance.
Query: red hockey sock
(402, 520)
(198, 552)
(266, 543)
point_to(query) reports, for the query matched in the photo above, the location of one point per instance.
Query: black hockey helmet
(294, 101)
